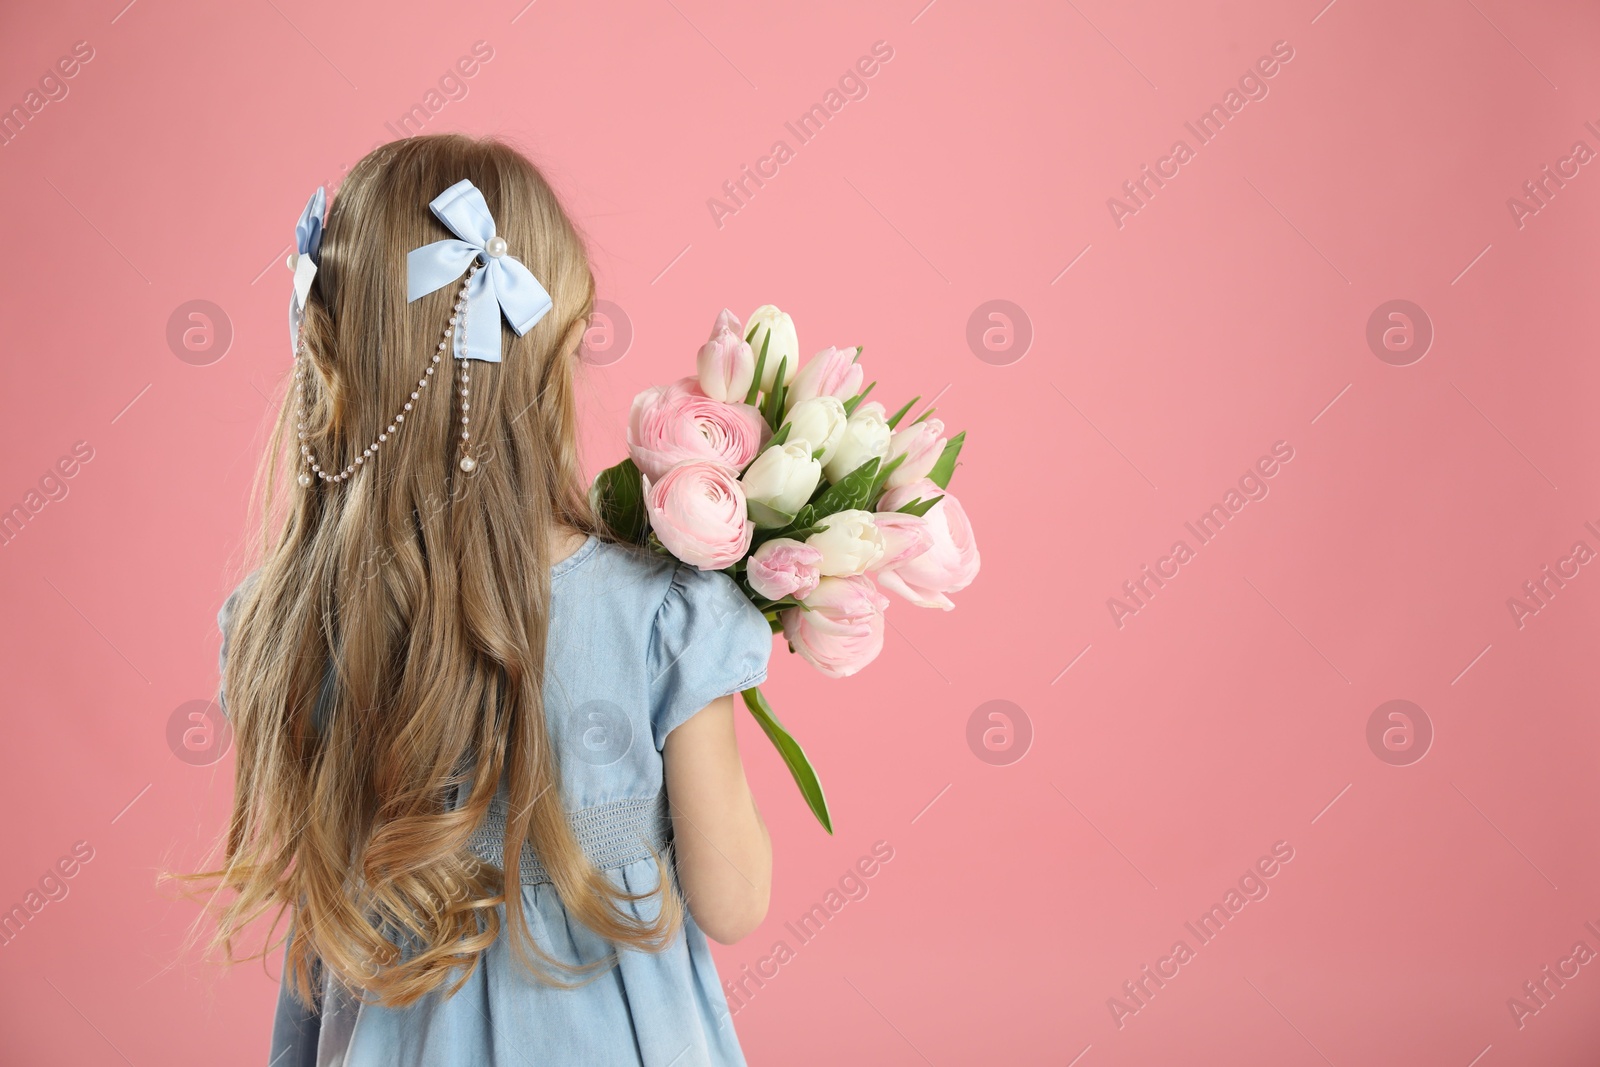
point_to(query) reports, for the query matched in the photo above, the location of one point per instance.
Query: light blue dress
(637, 644)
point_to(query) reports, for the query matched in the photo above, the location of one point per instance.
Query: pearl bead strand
(458, 319)
(468, 464)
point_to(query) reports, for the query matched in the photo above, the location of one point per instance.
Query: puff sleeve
(707, 641)
(225, 614)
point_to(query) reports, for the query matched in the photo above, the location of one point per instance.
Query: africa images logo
(1252, 886)
(1252, 485)
(1207, 127)
(737, 192)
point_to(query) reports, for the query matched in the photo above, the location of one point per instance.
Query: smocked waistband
(611, 835)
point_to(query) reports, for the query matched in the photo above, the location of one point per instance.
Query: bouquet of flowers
(807, 494)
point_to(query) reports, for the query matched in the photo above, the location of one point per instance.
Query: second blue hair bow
(305, 257)
(504, 286)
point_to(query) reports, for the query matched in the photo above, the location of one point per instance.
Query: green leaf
(761, 361)
(800, 533)
(883, 476)
(924, 415)
(774, 412)
(618, 499)
(851, 491)
(754, 326)
(794, 757)
(804, 520)
(919, 506)
(946, 465)
(894, 420)
(802, 527)
(855, 401)
(766, 517)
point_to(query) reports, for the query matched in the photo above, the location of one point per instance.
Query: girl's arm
(723, 853)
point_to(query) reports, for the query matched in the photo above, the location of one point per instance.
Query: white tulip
(850, 545)
(782, 478)
(866, 435)
(767, 321)
(820, 420)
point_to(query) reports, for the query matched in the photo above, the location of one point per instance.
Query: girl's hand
(723, 852)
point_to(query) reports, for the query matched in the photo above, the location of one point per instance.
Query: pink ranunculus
(905, 537)
(673, 423)
(921, 444)
(725, 364)
(784, 567)
(839, 627)
(697, 509)
(831, 372)
(948, 565)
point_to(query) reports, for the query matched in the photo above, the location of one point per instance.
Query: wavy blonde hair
(425, 592)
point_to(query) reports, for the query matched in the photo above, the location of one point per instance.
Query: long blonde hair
(425, 590)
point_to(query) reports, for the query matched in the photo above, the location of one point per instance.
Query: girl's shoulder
(702, 636)
(676, 594)
(230, 606)
(225, 617)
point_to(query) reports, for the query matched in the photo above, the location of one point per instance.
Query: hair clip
(305, 257)
(496, 284)
(502, 286)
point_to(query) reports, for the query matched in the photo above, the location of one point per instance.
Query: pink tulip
(948, 565)
(831, 372)
(697, 509)
(839, 628)
(726, 321)
(905, 537)
(784, 567)
(921, 444)
(673, 423)
(725, 364)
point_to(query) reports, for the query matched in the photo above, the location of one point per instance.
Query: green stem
(794, 757)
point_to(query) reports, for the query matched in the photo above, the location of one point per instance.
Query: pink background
(1227, 314)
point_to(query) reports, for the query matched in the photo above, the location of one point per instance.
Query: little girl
(486, 755)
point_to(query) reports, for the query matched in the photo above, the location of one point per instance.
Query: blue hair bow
(305, 257)
(503, 286)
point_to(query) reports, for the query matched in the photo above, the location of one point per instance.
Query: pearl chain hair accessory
(495, 284)
(457, 322)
